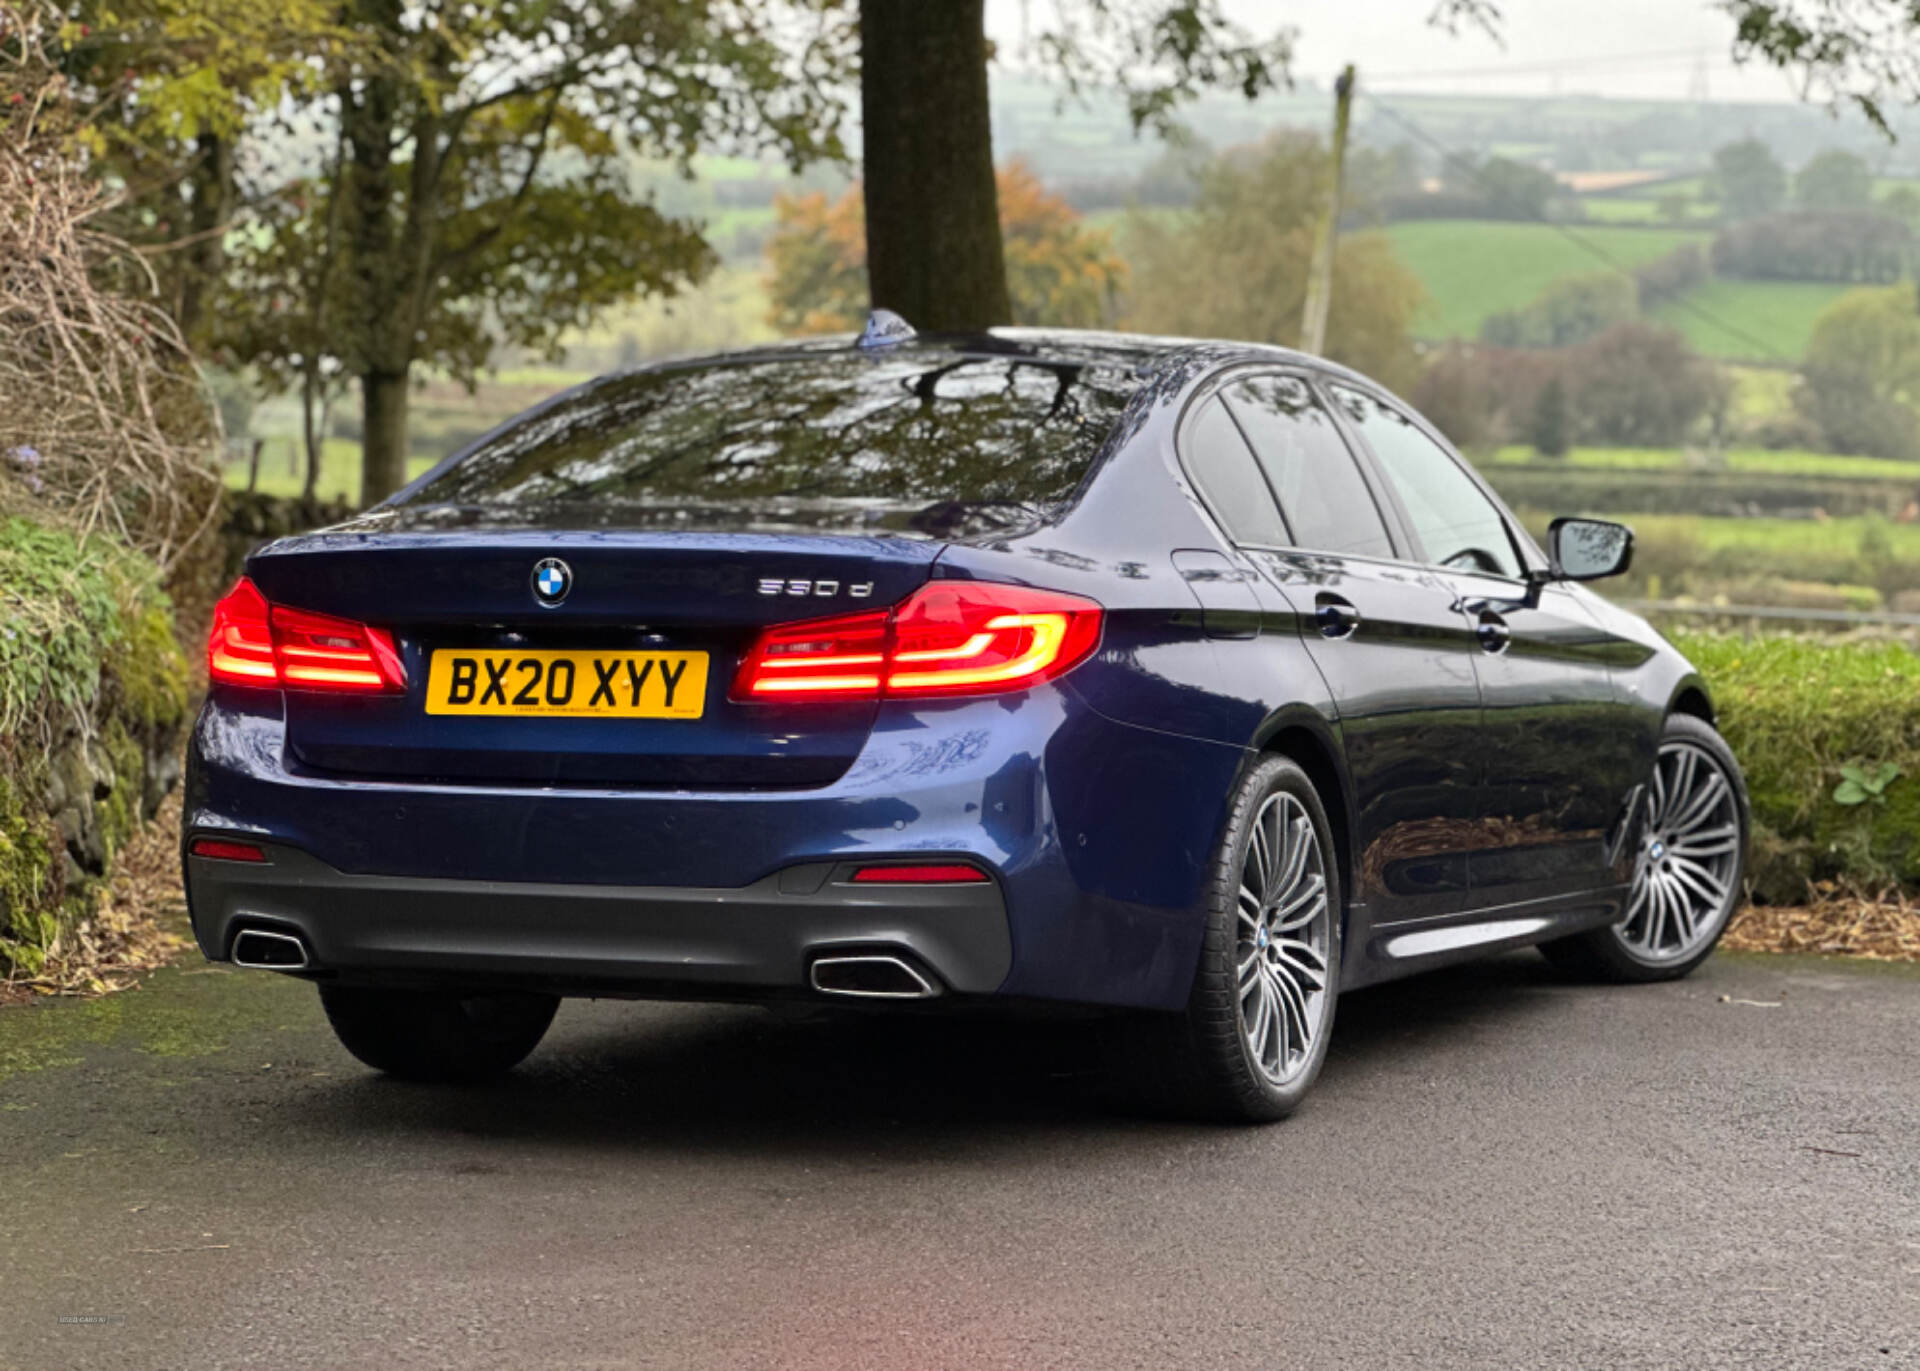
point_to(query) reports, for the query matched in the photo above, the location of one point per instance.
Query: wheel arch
(1691, 697)
(1308, 742)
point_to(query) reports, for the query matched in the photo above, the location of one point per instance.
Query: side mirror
(1588, 549)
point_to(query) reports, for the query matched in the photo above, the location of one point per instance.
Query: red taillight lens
(254, 643)
(319, 652)
(942, 874)
(976, 638)
(947, 638)
(240, 648)
(222, 850)
(825, 659)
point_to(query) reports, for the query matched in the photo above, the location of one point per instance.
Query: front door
(1560, 760)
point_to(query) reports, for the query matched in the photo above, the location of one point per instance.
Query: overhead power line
(1579, 240)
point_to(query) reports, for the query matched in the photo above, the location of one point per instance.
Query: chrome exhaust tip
(870, 976)
(261, 950)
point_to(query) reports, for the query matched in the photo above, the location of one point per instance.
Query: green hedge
(1562, 489)
(1798, 710)
(93, 695)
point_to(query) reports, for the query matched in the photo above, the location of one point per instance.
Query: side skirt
(1404, 949)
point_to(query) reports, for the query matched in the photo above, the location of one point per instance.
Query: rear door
(1559, 766)
(1395, 655)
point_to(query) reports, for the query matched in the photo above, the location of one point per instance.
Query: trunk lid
(472, 590)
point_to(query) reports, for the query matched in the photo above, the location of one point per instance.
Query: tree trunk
(934, 254)
(206, 251)
(383, 431)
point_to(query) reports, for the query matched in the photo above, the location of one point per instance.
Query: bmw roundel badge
(552, 579)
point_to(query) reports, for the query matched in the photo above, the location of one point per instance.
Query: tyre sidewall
(1214, 1010)
(1609, 944)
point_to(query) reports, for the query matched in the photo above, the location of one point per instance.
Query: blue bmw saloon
(1198, 681)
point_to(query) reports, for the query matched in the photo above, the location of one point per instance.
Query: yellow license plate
(584, 685)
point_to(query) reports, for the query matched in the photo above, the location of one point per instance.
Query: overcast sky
(1645, 48)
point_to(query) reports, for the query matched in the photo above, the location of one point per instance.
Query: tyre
(1690, 869)
(1257, 1023)
(437, 1036)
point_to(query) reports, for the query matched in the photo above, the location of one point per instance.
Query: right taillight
(257, 644)
(947, 638)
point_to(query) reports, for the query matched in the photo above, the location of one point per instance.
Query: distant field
(1617, 209)
(1752, 461)
(1787, 538)
(282, 470)
(1473, 268)
(1777, 317)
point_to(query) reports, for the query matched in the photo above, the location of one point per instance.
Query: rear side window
(1458, 525)
(1222, 466)
(1322, 493)
(917, 426)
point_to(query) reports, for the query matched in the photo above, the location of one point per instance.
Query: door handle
(1336, 617)
(1493, 633)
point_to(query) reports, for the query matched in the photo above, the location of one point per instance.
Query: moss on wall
(93, 698)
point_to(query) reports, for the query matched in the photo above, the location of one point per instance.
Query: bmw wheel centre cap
(552, 579)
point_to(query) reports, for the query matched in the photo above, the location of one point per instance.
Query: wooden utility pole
(1313, 319)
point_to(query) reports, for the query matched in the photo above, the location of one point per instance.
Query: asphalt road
(1497, 1170)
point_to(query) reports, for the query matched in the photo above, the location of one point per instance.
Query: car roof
(1146, 352)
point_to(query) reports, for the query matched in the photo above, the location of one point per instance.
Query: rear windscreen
(912, 427)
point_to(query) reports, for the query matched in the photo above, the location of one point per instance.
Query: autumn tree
(1236, 265)
(1058, 271)
(172, 89)
(474, 189)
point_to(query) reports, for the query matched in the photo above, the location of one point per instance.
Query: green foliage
(1800, 713)
(1235, 265)
(1859, 786)
(1641, 385)
(1549, 429)
(1749, 180)
(1834, 180)
(1508, 189)
(1862, 373)
(474, 187)
(75, 611)
(1569, 311)
(86, 634)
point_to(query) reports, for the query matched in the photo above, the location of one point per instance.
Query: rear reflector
(254, 643)
(222, 850)
(953, 874)
(947, 638)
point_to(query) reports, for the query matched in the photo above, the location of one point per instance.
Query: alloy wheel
(1284, 932)
(1685, 886)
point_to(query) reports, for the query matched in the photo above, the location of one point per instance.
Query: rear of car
(704, 681)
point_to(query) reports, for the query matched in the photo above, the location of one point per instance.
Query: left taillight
(947, 638)
(254, 643)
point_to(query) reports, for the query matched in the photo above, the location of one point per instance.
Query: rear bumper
(611, 939)
(1096, 834)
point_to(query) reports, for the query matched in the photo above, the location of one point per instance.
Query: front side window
(1459, 527)
(1322, 493)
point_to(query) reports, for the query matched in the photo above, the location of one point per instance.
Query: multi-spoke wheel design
(1280, 953)
(1268, 980)
(1688, 874)
(1689, 867)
